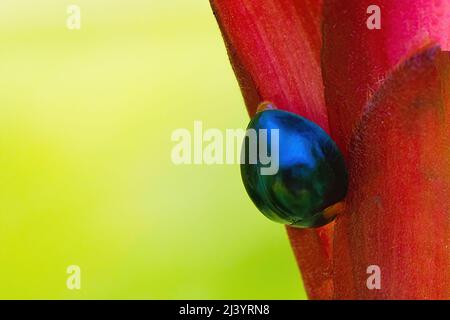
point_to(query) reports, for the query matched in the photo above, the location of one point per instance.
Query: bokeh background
(86, 176)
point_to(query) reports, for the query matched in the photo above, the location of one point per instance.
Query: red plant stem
(356, 62)
(313, 249)
(397, 210)
(284, 68)
(399, 187)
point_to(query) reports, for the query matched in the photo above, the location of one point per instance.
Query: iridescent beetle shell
(311, 174)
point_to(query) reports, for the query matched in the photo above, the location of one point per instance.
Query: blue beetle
(311, 176)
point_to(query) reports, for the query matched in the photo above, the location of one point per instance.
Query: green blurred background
(86, 176)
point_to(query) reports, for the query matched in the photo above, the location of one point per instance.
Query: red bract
(356, 62)
(356, 59)
(396, 118)
(398, 203)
